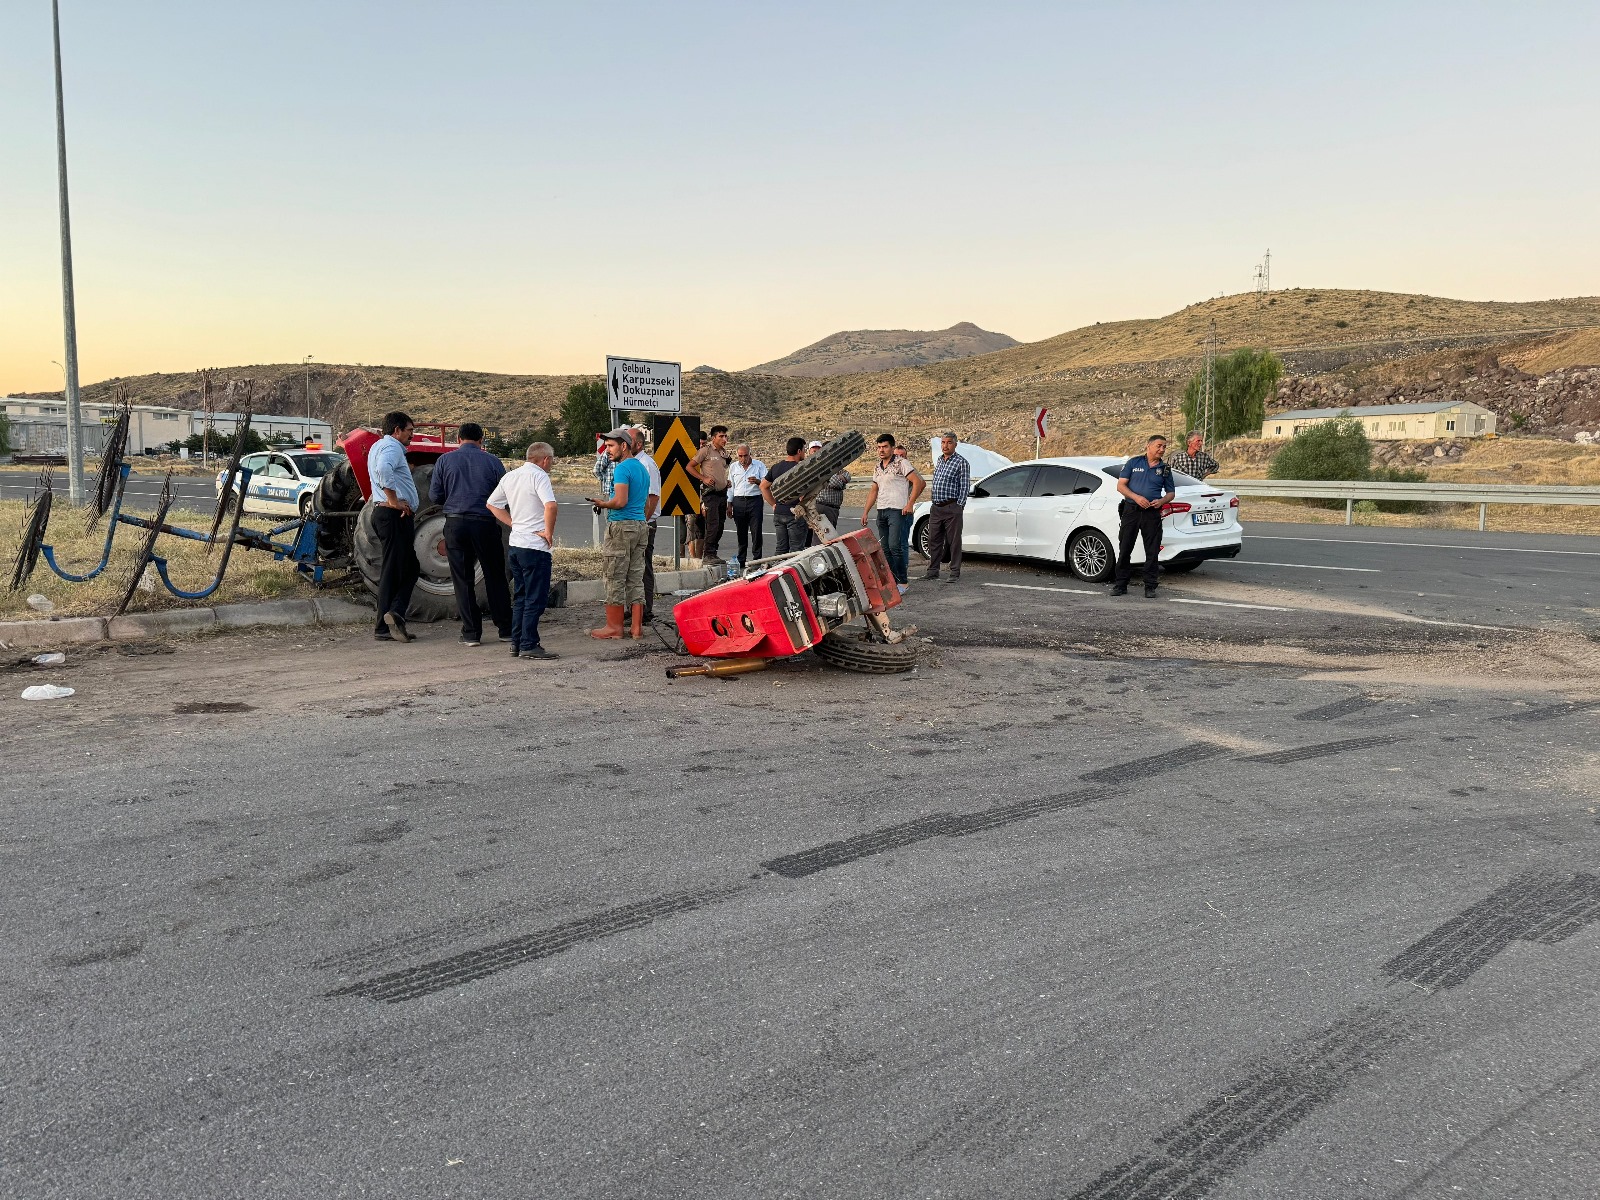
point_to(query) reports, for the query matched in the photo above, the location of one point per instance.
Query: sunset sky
(526, 187)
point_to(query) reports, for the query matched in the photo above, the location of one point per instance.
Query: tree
(1330, 450)
(1241, 382)
(584, 413)
(222, 443)
(5, 434)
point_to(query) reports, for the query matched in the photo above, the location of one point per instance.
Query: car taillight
(1177, 506)
(1233, 503)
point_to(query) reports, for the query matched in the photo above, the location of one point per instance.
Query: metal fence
(1481, 494)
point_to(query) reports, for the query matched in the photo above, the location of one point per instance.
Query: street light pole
(69, 316)
(308, 387)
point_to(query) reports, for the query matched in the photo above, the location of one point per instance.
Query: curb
(320, 610)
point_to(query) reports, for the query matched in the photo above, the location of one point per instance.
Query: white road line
(1251, 562)
(1271, 537)
(1028, 587)
(1231, 604)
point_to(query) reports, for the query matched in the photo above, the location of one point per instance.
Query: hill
(1106, 384)
(856, 351)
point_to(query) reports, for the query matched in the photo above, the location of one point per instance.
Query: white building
(1393, 422)
(151, 427)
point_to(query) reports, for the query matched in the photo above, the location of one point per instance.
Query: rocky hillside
(858, 351)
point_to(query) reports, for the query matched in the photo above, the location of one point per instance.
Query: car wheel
(305, 505)
(919, 537)
(849, 649)
(1090, 557)
(230, 501)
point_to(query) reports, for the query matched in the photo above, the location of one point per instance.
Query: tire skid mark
(1339, 708)
(1549, 712)
(1155, 764)
(1530, 908)
(909, 833)
(1281, 1090)
(426, 978)
(1321, 750)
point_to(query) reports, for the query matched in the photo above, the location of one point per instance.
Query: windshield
(315, 466)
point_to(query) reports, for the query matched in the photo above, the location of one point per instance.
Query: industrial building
(1393, 422)
(39, 426)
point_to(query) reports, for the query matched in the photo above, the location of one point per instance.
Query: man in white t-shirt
(525, 501)
(744, 487)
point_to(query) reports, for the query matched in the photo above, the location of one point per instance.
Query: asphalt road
(1069, 912)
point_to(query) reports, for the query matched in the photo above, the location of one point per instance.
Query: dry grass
(251, 575)
(584, 562)
(1578, 348)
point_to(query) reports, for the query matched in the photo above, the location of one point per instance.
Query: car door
(989, 525)
(256, 464)
(1050, 510)
(274, 489)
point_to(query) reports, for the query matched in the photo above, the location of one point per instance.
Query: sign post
(1041, 428)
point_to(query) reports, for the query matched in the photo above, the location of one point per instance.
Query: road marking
(1250, 562)
(1028, 587)
(1271, 537)
(1231, 604)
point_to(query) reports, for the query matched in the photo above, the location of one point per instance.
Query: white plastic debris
(147, 581)
(54, 659)
(41, 603)
(46, 691)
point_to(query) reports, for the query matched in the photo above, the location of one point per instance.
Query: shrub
(1400, 475)
(584, 413)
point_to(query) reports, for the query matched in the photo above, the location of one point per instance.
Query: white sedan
(282, 481)
(1065, 510)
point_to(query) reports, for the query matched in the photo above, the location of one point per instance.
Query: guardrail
(1481, 494)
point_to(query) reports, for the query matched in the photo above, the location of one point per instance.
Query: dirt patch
(212, 706)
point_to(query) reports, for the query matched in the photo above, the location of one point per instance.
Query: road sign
(643, 385)
(676, 441)
(1041, 423)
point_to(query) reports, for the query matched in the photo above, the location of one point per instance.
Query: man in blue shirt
(624, 549)
(1146, 486)
(463, 481)
(394, 524)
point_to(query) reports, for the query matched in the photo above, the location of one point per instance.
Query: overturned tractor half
(811, 599)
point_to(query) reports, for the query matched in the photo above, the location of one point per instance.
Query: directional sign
(1041, 423)
(676, 441)
(643, 385)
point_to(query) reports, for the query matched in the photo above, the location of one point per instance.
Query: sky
(527, 187)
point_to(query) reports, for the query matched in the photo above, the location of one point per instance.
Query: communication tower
(1206, 410)
(1263, 275)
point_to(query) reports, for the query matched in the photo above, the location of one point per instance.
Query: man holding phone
(1146, 486)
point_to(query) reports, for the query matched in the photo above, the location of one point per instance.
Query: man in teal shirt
(624, 550)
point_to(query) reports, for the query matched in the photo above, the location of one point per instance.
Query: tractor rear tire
(337, 492)
(849, 649)
(811, 475)
(434, 597)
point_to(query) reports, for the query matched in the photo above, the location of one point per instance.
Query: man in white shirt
(652, 505)
(744, 486)
(525, 501)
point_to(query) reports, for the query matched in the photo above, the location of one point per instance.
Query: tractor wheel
(850, 650)
(337, 491)
(434, 597)
(812, 474)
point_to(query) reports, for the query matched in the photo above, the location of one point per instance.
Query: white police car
(282, 481)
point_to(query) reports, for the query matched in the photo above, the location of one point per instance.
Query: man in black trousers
(463, 481)
(1145, 484)
(394, 524)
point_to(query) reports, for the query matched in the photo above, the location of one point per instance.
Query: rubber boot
(638, 622)
(613, 627)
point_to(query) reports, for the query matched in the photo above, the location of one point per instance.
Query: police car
(282, 481)
(1065, 510)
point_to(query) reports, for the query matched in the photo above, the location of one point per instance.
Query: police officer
(1145, 485)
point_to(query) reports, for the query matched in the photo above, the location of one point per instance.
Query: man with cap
(462, 481)
(623, 551)
(1146, 486)
(952, 481)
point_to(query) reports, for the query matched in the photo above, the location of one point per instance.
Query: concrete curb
(320, 610)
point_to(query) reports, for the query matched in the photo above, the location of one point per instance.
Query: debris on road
(53, 659)
(41, 603)
(46, 691)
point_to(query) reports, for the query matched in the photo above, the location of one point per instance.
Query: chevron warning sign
(676, 441)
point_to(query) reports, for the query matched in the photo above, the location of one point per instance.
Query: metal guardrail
(1481, 494)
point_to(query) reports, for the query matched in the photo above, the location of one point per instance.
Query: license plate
(1210, 518)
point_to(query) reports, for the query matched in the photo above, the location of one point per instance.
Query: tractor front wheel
(851, 650)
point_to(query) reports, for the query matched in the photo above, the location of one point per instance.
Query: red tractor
(791, 603)
(345, 537)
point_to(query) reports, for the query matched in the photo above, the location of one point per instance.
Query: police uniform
(1152, 481)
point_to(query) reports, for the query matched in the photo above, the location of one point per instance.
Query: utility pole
(1206, 413)
(69, 316)
(308, 387)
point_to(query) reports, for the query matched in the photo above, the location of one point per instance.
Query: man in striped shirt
(952, 482)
